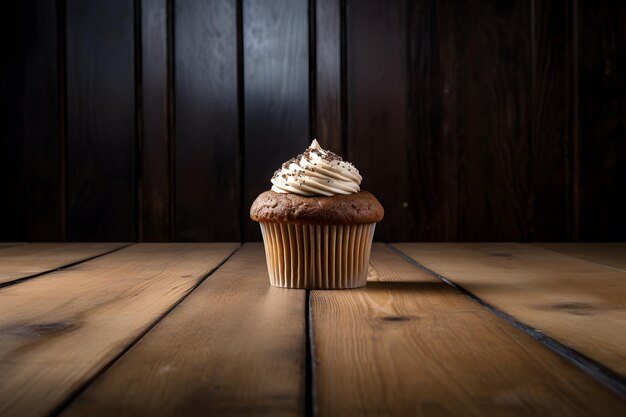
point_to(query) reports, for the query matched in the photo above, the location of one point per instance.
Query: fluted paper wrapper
(317, 256)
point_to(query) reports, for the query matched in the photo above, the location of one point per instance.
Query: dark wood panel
(433, 151)
(328, 73)
(276, 81)
(207, 138)
(602, 119)
(42, 112)
(378, 130)
(100, 121)
(552, 121)
(504, 122)
(13, 219)
(491, 47)
(154, 182)
(31, 174)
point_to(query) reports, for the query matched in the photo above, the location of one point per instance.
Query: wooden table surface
(194, 329)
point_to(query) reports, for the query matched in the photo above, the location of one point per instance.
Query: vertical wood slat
(327, 69)
(31, 179)
(602, 120)
(492, 48)
(13, 221)
(467, 173)
(41, 124)
(377, 124)
(276, 82)
(433, 204)
(552, 119)
(101, 153)
(207, 137)
(154, 191)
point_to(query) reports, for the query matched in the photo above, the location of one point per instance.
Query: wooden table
(186, 329)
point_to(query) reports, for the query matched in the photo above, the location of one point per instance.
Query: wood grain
(434, 117)
(101, 165)
(154, 182)
(552, 119)
(30, 147)
(13, 156)
(496, 123)
(42, 113)
(408, 344)
(276, 93)
(602, 120)
(58, 331)
(492, 82)
(608, 254)
(25, 260)
(377, 108)
(207, 136)
(10, 244)
(573, 301)
(235, 347)
(328, 74)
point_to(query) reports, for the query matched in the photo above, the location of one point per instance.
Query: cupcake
(317, 225)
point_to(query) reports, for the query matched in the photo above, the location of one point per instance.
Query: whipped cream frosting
(317, 172)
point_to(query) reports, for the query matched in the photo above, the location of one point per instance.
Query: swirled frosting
(317, 172)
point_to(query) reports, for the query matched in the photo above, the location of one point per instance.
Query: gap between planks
(77, 331)
(235, 346)
(409, 344)
(73, 396)
(136, 377)
(611, 255)
(606, 376)
(44, 253)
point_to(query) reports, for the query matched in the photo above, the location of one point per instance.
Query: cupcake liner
(317, 256)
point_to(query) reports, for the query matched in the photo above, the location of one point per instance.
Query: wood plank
(377, 84)
(612, 254)
(276, 93)
(409, 344)
(578, 303)
(328, 75)
(435, 118)
(10, 244)
(601, 120)
(101, 170)
(14, 23)
(491, 117)
(155, 197)
(207, 124)
(42, 113)
(60, 330)
(552, 119)
(234, 347)
(25, 260)
(30, 145)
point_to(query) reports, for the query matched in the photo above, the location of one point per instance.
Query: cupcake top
(357, 208)
(317, 172)
(317, 187)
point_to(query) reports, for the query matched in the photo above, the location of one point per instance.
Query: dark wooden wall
(162, 119)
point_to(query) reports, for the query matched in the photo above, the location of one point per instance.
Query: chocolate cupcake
(317, 225)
